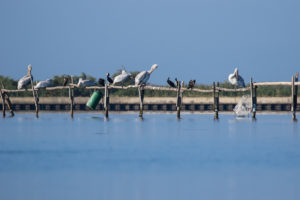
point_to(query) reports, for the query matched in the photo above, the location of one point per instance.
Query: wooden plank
(272, 84)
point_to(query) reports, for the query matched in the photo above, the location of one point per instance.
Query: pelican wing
(23, 82)
(142, 77)
(232, 79)
(89, 83)
(43, 84)
(121, 78)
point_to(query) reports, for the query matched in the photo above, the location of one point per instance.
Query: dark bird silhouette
(177, 82)
(191, 84)
(171, 84)
(66, 80)
(101, 81)
(109, 79)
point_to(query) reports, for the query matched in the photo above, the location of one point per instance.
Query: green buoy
(94, 100)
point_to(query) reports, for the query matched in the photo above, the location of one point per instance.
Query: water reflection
(158, 157)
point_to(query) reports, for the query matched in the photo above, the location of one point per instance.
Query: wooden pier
(216, 104)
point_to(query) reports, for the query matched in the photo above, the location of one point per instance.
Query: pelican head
(236, 72)
(107, 74)
(153, 68)
(29, 67)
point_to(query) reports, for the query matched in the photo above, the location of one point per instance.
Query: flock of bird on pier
(140, 79)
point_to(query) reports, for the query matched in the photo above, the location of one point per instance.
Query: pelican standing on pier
(144, 76)
(124, 76)
(25, 81)
(85, 83)
(236, 79)
(44, 84)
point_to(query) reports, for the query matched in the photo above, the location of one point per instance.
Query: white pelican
(85, 83)
(23, 82)
(236, 79)
(144, 76)
(43, 84)
(124, 76)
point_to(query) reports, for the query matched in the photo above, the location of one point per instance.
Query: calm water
(55, 157)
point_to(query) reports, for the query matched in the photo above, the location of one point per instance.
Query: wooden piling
(253, 98)
(216, 100)
(106, 100)
(3, 103)
(296, 93)
(178, 102)
(9, 104)
(6, 100)
(34, 94)
(71, 96)
(294, 89)
(141, 97)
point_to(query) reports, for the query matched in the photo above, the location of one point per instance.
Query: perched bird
(101, 81)
(25, 81)
(177, 82)
(144, 76)
(191, 84)
(43, 84)
(66, 80)
(85, 83)
(236, 79)
(171, 83)
(109, 79)
(124, 76)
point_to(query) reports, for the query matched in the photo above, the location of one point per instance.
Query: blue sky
(189, 39)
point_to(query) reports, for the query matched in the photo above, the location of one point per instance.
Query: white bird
(44, 84)
(85, 83)
(236, 79)
(144, 76)
(23, 82)
(124, 76)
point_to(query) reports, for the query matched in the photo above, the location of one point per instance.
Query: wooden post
(253, 98)
(106, 100)
(3, 103)
(6, 100)
(216, 100)
(295, 96)
(34, 94)
(141, 96)
(9, 104)
(294, 99)
(178, 103)
(71, 96)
